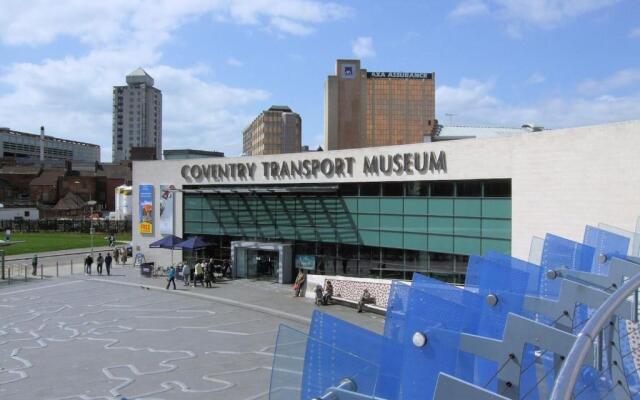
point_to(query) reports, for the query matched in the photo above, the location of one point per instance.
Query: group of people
(120, 255)
(100, 261)
(203, 271)
(324, 296)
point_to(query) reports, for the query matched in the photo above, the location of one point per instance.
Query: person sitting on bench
(365, 299)
(318, 295)
(328, 293)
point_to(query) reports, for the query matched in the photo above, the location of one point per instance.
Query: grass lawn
(52, 241)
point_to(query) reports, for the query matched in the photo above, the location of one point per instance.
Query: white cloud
(72, 95)
(362, 47)
(234, 62)
(519, 14)
(99, 22)
(620, 80)
(635, 33)
(473, 103)
(469, 8)
(535, 78)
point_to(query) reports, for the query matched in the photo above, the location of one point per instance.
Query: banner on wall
(167, 204)
(305, 262)
(146, 208)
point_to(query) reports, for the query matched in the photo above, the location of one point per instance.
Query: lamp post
(91, 203)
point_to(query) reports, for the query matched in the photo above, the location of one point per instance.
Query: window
(417, 188)
(392, 189)
(442, 189)
(348, 189)
(370, 189)
(469, 189)
(498, 188)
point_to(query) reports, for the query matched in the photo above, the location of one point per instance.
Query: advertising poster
(146, 208)
(167, 197)
(306, 262)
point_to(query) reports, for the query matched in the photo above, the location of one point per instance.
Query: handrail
(568, 375)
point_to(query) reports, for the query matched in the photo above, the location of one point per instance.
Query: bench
(371, 307)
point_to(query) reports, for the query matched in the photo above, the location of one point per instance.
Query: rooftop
(139, 76)
(7, 131)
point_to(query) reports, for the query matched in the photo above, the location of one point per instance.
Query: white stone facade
(561, 180)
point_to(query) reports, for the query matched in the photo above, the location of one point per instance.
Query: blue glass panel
(435, 309)
(336, 350)
(607, 243)
(627, 355)
(532, 270)
(393, 344)
(288, 364)
(559, 252)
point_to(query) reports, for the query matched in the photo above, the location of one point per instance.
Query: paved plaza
(125, 336)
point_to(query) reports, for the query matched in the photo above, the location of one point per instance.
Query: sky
(219, 63)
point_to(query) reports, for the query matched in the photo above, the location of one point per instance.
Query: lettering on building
(329, 167)
(401, 75)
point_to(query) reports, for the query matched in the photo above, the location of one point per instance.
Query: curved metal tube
(568, 375)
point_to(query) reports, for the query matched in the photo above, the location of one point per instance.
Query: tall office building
(137, 116)
(277, 130)
(365, 109)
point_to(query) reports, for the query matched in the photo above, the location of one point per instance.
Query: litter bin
(146, 269)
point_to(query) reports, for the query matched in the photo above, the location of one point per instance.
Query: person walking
(213, 270)
(116, 255)
(186, 274)
(107, 263)
(208, 274)
(34, 265)
(123, 257)
(171, 277)
(87, 264)
(7, 235)
(199, 274)
(99, 262)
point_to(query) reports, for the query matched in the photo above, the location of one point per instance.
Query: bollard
(57, 273)
(41, 271)
(9, 271)
(71, 267)
(25, 273)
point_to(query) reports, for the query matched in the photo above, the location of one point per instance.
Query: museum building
(387, 212)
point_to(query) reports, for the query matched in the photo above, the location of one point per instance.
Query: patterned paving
(87, 340)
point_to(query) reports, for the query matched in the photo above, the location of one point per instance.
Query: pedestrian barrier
(564, 327)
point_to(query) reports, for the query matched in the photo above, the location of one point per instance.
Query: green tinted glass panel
(267, 231)
(369, 205)
(306, 233)
(193, 215)
(502, 246)
(440, 225)
(391, 222)
(323, 220)
(415, 241)
(496, 228)
(287, 232)
(347, 236)
(368, 221)
(209, 216)
(467, 246)
(326, 235)
(468, 227)
(350, 204)
(370, 238)
(192, 202)
(415, 224)
(391, 239)
(210, 229)
(496, 208)
(192, 227)
(467, 207)
(441, 244)
(391, 206)
(440, 206)
(416, 206)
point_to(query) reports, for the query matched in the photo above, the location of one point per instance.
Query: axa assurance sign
(411, 163)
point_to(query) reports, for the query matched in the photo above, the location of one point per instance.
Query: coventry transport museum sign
(392, 164)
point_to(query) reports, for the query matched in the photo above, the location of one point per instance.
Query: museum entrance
(259, 260)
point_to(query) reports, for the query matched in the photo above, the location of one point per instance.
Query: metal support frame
(566, 379)
(449, 387)
(571, 293)
(518, 332)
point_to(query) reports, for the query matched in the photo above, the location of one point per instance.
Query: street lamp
(91, 203)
